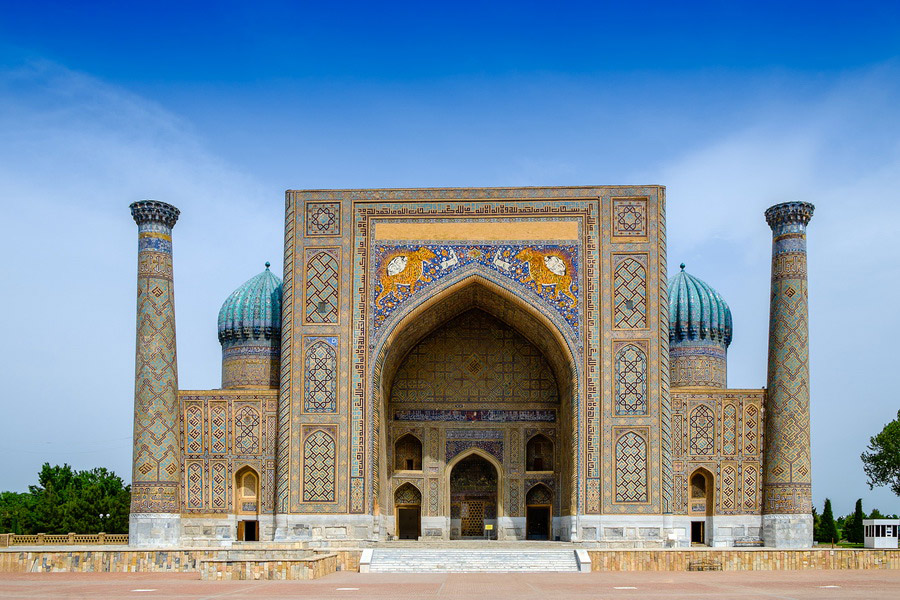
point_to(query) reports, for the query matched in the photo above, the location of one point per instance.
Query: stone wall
(743, 560)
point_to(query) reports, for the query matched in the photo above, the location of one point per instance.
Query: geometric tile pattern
(157, 464)
(246, 431)
(236, 429)
(631, 380)
(729, 429)
(727, 491)
(629, 217)
(319, 466)
(477, 359)
(538, 495)
(732, 456)
(630, 292)
(407, 494)
(320, 375)
(631, 468)
(322, 285)
(323, 219)
(787, 478)
(702, 431)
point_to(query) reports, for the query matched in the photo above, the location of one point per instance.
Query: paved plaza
(782, 585)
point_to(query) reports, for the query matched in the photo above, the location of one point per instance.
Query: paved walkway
(777, 585)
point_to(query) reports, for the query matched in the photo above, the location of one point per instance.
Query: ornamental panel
(320, 374)
(631, 468)
(322, 287)
(630, 291)
(702, 431)
(319, 465)
(631, 380)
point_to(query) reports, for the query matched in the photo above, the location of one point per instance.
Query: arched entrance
(539, 513)
(473, 497)
(475, 367)
(408, 512)
(701, 505)
(246, 501)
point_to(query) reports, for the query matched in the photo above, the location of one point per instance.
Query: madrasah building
(444, 364)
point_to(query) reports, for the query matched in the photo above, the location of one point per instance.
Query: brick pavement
(778, 585)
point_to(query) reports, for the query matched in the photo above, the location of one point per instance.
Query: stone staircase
(469, 560)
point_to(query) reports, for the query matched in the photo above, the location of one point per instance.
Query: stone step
(455, 560)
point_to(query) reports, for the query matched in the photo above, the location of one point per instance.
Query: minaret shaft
(787, 472)
(156, 474)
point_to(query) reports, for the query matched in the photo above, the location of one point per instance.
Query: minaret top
(154, 211)
(789, 213)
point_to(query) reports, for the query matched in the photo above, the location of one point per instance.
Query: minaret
(787, 476)
(156, 467)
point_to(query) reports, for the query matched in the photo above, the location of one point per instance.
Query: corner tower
(787, 477)
(156, 467)
(700, 330)
(250, 334)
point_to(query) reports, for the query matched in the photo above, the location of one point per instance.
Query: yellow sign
(488, 527)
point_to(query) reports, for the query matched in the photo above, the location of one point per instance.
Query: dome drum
(250, 333)
(700, 331)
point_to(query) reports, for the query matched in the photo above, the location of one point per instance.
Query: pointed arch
(477, 287)
(408, 453)
(539, 453)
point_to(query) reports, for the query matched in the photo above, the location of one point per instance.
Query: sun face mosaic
(551, 271)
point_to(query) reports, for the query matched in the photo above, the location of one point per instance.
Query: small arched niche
(408, 453)
(246, 500)
(539, 454)
(701, 503)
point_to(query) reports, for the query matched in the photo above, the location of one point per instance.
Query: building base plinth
(788, 531)
(154, 530)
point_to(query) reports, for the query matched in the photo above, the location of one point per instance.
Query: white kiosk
(881, 533)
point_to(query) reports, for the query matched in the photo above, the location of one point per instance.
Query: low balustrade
(65, 539)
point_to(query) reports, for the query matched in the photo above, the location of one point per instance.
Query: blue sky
(217, 108)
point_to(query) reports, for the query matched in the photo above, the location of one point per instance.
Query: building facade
(470, 363)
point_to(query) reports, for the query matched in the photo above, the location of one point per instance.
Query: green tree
(853, 530)
(881, 460)
(827, 532)
(65, 500)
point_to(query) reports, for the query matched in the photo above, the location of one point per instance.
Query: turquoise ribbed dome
(696, 311)
(253, 310)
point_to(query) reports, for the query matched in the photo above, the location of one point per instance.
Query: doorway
(248, 531)
(697, 533)
(408, 507)
(408, 522)
(473, 497)
(537, 522)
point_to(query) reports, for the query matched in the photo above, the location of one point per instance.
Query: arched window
(408, 454)
(701, 483)
(539, 454)
(246, 491)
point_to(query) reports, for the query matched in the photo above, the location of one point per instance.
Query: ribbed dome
(253, 310)
(696, 311)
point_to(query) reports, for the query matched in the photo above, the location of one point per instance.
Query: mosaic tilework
(157, 461)
(549, 270)
(407, 494)
(631, 379)
(702, 431)
(539, 494)
(629, 217)
(631, 467)
(496, 416)
(728, 488)
(513, 508)
(320, 374)
(236, 428)
(787, 478)
(323, 219)
(322, 287)
(319, 465)
(474, 358)
(729, 429)
(288, 446)
(629, 291)
(434, 497)
(246, 430)
(734, 452)
(493, 447)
